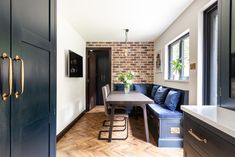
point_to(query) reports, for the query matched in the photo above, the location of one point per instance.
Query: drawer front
(190, 151)
(206, 140)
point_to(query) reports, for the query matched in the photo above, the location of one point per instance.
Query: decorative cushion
(120, 87)
(161, 112)
(142, 88)
(172, 100)
(154, 90)
(160, 95)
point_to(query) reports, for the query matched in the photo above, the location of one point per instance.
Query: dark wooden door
(91, 80)
(103, 73)
(4, 105)
(33, 112)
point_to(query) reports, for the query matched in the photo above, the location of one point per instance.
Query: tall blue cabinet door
(4, 105)
(33, 111)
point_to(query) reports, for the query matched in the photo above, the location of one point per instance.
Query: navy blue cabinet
(4, 105)
(28, 82)
(203, 140)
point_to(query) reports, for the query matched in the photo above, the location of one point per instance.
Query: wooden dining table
(119, 98)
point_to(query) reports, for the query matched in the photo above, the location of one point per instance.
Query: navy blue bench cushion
(154, 90)
(172, 100)
(120, 87)
(160, 95)
(143, 88)
(161, 112)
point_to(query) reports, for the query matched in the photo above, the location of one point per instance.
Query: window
(178, 65)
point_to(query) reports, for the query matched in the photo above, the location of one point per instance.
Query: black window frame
(181, 55)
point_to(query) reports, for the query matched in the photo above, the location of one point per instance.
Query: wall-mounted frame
(158, 61)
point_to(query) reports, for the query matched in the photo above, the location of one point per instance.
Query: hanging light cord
(126, 33)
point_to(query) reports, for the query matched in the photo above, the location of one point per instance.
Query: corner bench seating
(165, 125)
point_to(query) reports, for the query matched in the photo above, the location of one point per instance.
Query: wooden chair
(121, 113)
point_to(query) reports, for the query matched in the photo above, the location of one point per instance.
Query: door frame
(207, 54)
(109, 50)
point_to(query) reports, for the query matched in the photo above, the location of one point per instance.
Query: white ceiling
(105, 20)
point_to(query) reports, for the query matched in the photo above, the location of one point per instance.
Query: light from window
(178, 68)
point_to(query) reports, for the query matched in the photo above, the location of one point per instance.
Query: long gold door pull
(5, 95)
(18, 93)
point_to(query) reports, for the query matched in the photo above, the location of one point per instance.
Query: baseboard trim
(67, 128)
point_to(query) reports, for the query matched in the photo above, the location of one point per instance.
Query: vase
(176, 76)
(127, 88)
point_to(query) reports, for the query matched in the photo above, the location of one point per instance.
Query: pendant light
(126, 39)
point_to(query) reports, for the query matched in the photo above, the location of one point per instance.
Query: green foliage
(177, 65)
(126, 78)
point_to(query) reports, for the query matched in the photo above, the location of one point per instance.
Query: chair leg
(103, 131)
(116, 130)
(117, 120)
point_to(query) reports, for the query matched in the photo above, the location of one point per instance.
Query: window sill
(180, 81)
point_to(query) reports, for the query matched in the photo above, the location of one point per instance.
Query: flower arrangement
(127, 79)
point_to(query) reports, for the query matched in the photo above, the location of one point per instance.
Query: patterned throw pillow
(160, 95)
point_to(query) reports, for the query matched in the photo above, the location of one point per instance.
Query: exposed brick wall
(140, 59)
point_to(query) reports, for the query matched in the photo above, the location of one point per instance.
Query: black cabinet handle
(190, 131)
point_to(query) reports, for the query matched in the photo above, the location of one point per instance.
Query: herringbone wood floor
(81, 140)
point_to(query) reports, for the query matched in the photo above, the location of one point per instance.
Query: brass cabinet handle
(18, 93)
(5, 95)
(190, 131)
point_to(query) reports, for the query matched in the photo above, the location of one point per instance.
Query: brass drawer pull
(18, 93)
(5, 95)
(190, 131)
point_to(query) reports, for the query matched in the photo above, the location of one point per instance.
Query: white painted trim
(179, 36)
(179, 81)
(200, 53)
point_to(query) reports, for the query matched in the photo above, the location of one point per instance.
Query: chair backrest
(105, 95)
(108, 88)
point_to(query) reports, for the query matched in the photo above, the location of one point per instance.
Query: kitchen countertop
(220, 118)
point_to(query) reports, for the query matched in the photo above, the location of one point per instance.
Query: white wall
(70, 91)
(188, 20)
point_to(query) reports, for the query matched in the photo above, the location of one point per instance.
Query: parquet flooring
(82, 141)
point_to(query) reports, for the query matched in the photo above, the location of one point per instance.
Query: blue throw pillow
(172, 100)
(141, 88)
(118, 87)
(160, 95)
(154, 90)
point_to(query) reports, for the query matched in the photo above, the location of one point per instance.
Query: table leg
(146, 122)
(111, 123)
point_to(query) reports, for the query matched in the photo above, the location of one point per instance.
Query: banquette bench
(164, 115)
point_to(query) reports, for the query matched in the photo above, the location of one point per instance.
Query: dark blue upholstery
(172, 100)
(120, 87)
(154, 90)
(161, 112)
(143, 88)
(151, 87)
(160, 95)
